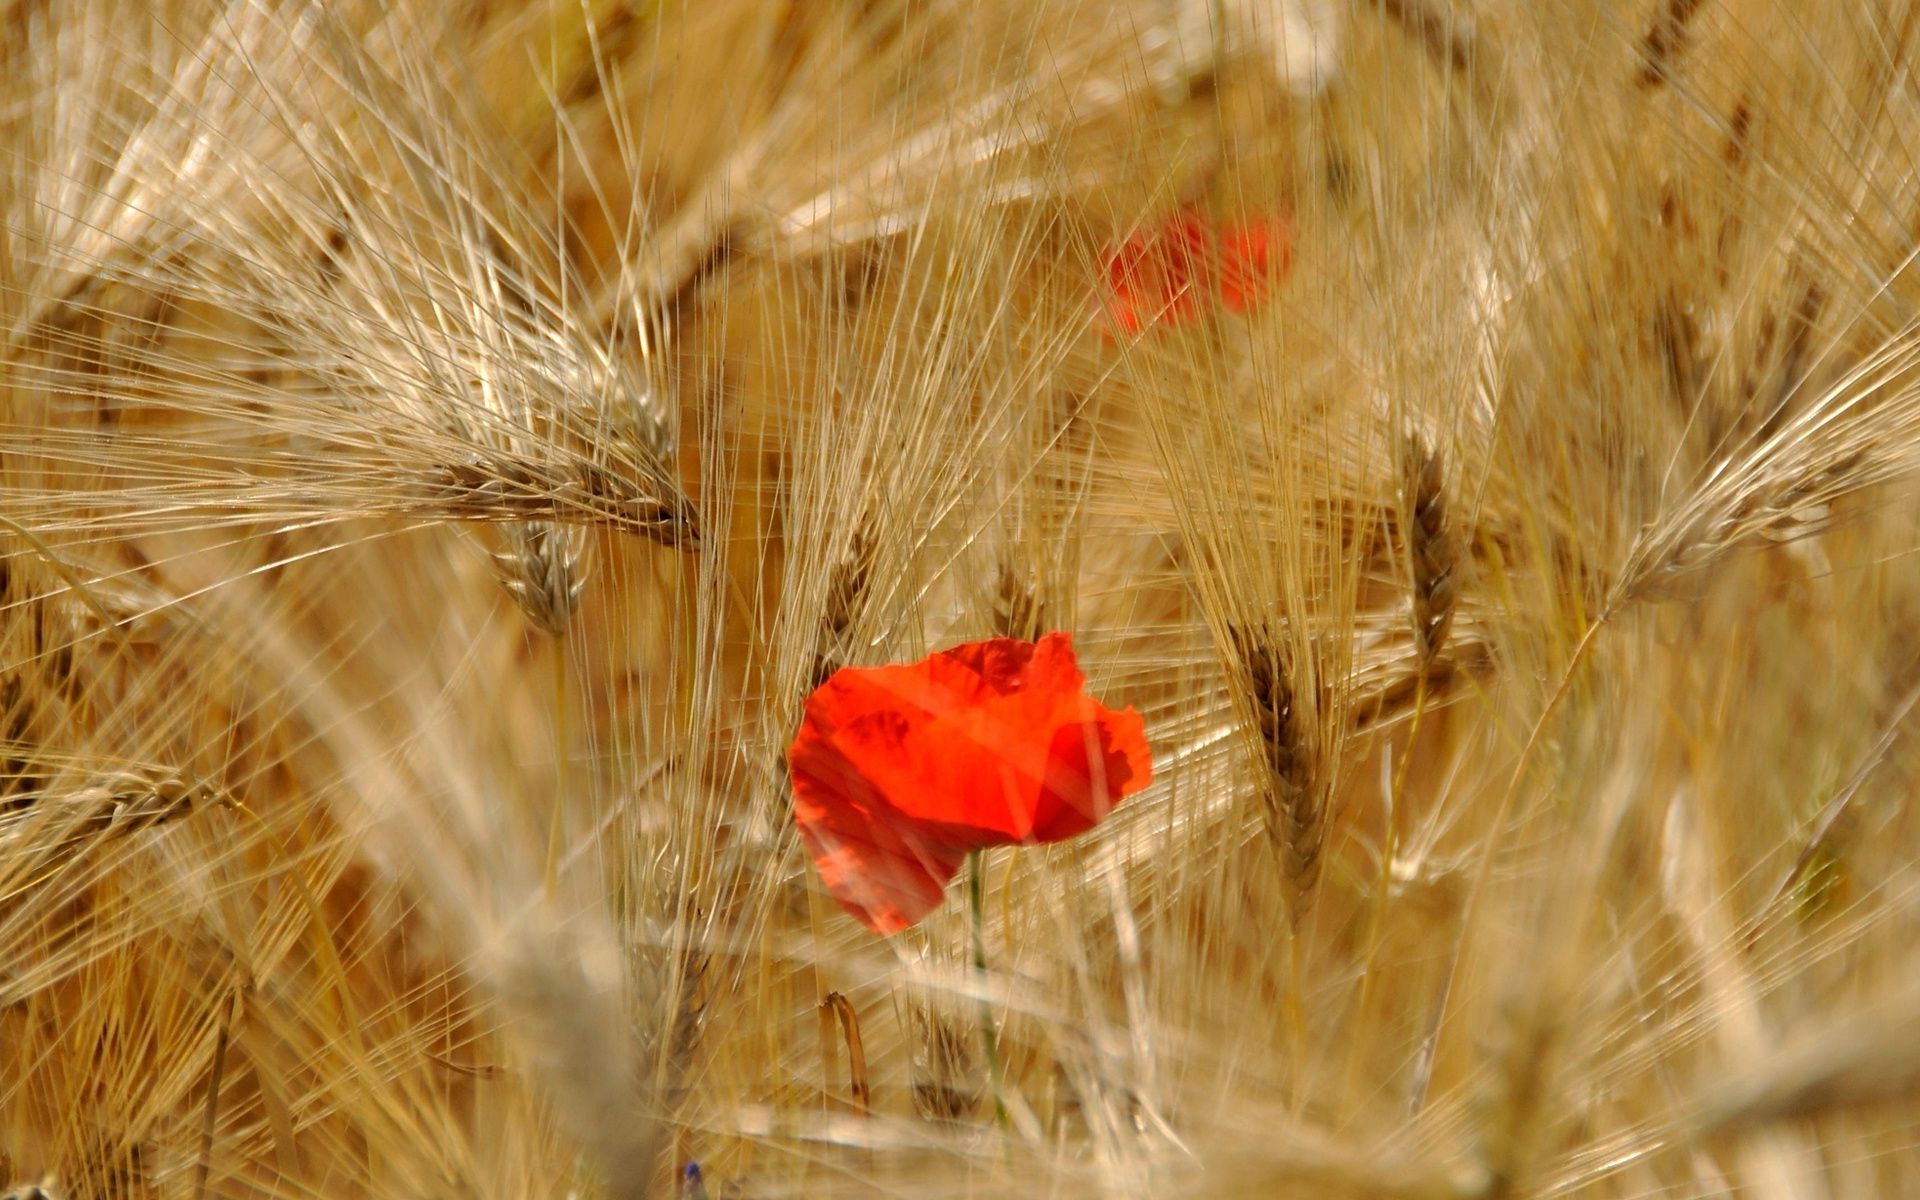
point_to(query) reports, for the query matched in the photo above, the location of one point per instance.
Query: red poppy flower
(1252, 254)
(1176, 271)
(1158, 274)
(899, 772)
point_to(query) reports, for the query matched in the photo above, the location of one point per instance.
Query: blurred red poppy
(1158, 274)
(1175, 271)
(899, 772)
(1253, 254)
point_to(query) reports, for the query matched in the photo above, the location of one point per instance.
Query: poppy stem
(989, 1035)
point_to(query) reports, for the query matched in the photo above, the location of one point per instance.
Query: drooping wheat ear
(1430, 547)
(846, 590)
(543, 570)
(1017, 611)
(946, 1080)
(1295, 800)
(455, 482)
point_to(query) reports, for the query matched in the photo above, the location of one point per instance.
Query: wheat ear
(1017, 611)
(543, 570)
(1868, 1060)
(846, 590)
(1665, 40)
(837, 1006)
(63, 823)
(946, 1080)
(1295, 804)
(1430, 547)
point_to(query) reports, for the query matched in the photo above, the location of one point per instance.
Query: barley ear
(545, 572)
(1665, 41)
(1295, 803)
(1430, 547)
(946, 1080)
(65, 822)
(1017, 611)
(846, 590)
(1867, 1060)
(502, 487)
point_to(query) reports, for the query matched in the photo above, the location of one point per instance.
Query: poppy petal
(1009, 665)
(867, 861)
(1175, 271)
(1091, 764)
(1123, 299)
(1252, 255)
(901, 771)
(1159, 275)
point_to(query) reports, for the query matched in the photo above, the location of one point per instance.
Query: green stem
(989, 1036)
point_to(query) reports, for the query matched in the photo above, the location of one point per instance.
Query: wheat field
(443, 445)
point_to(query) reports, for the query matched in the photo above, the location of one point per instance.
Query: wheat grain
(846, 592)
(1017, 612)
